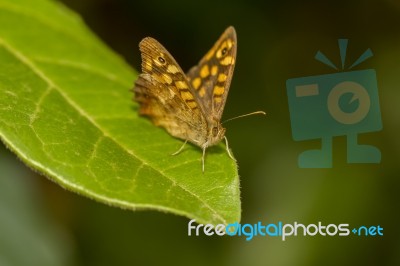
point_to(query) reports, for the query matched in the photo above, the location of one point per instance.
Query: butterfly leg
(228, 150)
(204, 155)
(180, 149)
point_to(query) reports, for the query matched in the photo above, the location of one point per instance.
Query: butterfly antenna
(240, 116)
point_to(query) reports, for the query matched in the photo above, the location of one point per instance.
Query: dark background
(277, 40)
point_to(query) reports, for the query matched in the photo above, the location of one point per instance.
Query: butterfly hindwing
(211, 78)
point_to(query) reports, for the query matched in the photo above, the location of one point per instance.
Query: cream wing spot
(167, 78)
(181, 84)
(196, 83)
(222, 77)
(230, 43)
(172, 69)
(192, 104)
(214, 70)
(202, 92)
(219, 90)
(229, 60)
(186, 95)
(204, 71)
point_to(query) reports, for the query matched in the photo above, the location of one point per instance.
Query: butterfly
(189, 106)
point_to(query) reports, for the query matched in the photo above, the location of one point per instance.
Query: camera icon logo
(338, 104)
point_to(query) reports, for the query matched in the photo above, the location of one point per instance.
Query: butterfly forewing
(165, 95)
(211, 78)
(159, 63)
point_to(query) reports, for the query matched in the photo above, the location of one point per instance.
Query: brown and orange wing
(211, 78)
(164, 94)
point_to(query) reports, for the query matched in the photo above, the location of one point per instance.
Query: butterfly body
(189, 106)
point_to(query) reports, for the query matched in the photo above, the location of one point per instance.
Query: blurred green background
(42, 224)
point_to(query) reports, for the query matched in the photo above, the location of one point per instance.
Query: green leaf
(66, 110)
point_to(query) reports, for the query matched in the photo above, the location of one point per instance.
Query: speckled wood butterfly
(189, 106)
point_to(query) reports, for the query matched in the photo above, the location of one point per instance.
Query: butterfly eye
(215, 131)
(161, 60)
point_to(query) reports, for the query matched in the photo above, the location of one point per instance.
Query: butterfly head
(215, 133)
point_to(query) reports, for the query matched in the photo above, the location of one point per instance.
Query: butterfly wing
(164, 94)
(211, 78)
